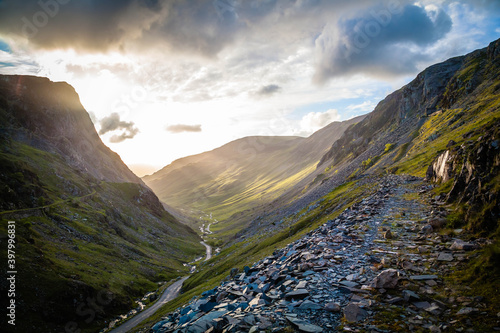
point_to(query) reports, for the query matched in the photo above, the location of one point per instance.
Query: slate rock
(409, 296)
(388, 278)
(207, 307)
(353, 313)
(304, 326)
(297, 294)
(333, 307)
(423, 277)
(460, 245)
(309, 305)
(388, 234)
(444, 256)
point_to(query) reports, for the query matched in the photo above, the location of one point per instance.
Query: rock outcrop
(473, 169)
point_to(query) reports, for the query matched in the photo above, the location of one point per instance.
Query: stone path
(376, 268)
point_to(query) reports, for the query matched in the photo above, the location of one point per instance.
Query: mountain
(427, 158)
(447, 105)
(90, 236)
(241, 174)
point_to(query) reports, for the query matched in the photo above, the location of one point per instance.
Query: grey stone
(466, 311)
(302, 284)
(460, 245)
(349, 284)
(422, 305)
(444, 256)
(427, 229)
(297, 294)
(304, 326)
(353, 313)
(253, 329)
(332, 307)
(423, 277)
(308, 305)
(409, 296)
(388, 278)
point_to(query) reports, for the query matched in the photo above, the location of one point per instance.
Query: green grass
(258, 247)
(78, 236)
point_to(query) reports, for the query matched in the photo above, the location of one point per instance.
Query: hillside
(432, 242)
(241, 174)
(86, 227)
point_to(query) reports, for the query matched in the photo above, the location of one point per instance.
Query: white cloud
(314, 121)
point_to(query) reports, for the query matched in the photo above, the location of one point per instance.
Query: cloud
(197, 26)
(180, 128)
(268, 90)
(314, 121)
(127, 134)
(381, 41)
(112, 123)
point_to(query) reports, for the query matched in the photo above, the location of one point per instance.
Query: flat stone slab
(443, 256)
(349, 284)
(304, 326)
(297, 294)
(423, 277)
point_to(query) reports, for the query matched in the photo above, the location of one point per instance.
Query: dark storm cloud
(380, 41)
(194, 26)
(65, 23)
(350, 36)
(112, 123)
(180, 128)
(268, 90)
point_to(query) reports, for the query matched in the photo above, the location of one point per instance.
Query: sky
(163, 79)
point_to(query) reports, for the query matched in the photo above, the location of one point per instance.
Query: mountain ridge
(242, 173)
(86, 226)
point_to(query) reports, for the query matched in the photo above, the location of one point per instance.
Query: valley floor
(381, 266)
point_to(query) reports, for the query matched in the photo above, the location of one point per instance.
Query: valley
(390, 202)
(387, 222)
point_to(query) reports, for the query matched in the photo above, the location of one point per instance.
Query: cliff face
(442, 125)
(472, 170)
(404, 107)
(85, 224)
(49, 116)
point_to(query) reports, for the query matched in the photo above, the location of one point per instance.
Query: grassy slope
(258, 247)
(77, 245)
(80, 238)
(241, 175)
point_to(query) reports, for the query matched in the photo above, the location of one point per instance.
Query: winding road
(209, 251)
(169, 294)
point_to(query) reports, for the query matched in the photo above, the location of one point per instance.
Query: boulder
(332, 307)
(388, 278)
(353, 313)
(460, 245)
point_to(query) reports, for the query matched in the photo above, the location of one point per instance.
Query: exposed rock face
(417, 99)
(473, 168)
